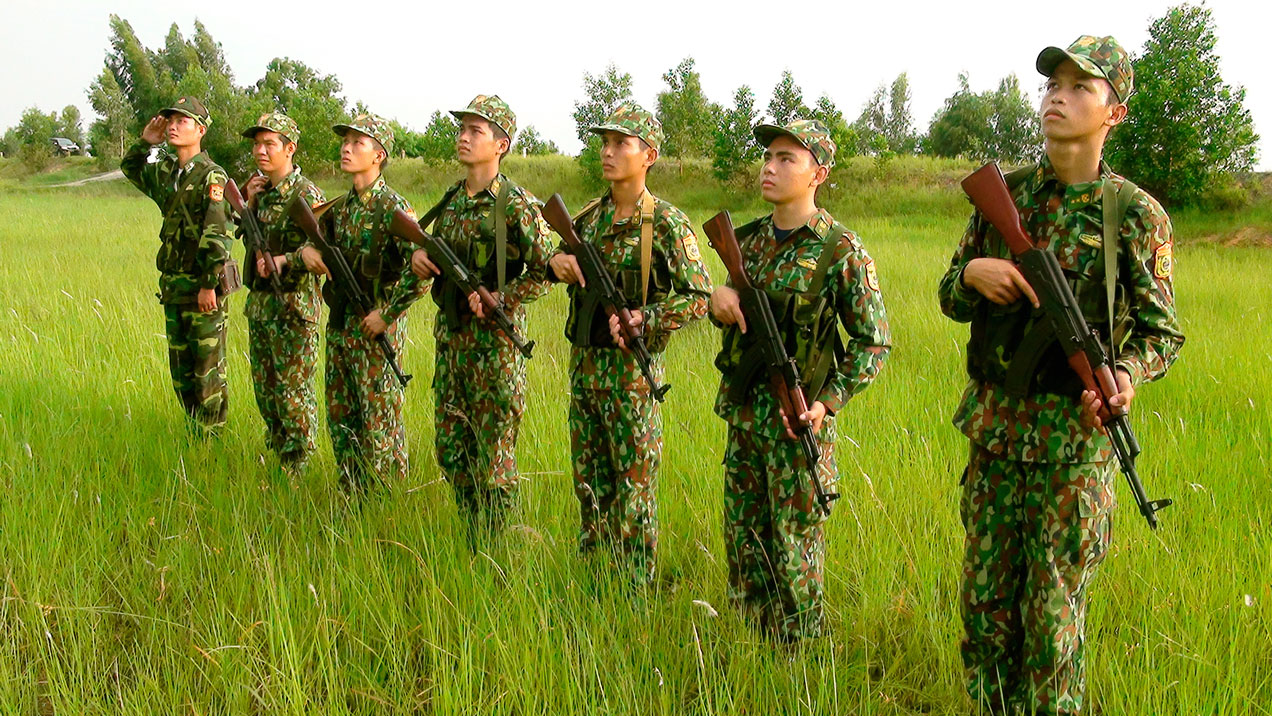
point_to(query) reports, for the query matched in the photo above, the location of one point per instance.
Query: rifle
(454, 269)
(303, 215)
(252, 231)
(989, 194)
(598, 280)
(784, 380)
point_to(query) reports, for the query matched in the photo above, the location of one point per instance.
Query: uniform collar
(1075, 195)
(374, 188)
(636, 218)
(820, 224)
(492, 189)
(288, 181)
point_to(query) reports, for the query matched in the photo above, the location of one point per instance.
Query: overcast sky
(406, 59)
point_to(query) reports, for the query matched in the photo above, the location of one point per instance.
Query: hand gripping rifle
(602, 284)
(784, 378)
(989, 194)
(255, 237)
(455, 271)
(303, 215)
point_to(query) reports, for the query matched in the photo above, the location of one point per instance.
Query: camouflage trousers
(364, 405)
(196, 359)
(283, 347)
(774, 530)
(616, 443)
(1035, 534)
(478, 401)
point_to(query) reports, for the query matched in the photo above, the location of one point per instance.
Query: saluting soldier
(495, 227)
(364, 398)
(652, 253)
(282, 328)
(1038, 488)
(195, 269)
(821, 283)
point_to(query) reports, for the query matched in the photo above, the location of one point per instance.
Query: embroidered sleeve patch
(872, 277)
(690, 243)
(216, 192)
(1164, 260)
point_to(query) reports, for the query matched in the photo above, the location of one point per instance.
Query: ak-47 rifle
(255, 237)
(989, 194)
(303, 215)
(598, 279)
(783, 372)
(455, 271)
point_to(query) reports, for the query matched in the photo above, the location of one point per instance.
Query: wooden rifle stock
(252, 229)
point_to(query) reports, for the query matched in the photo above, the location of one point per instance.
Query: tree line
(1187, 136)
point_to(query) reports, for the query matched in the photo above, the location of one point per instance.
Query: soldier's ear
(820, 175)
(1117, 113)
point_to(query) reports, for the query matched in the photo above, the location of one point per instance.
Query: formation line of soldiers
(1037, 492)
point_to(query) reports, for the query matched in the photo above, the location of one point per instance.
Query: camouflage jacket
(359, 228)
(195, 236)
(467, 224)
(852, 292)
(679, 287)
(1068, 220)
(284, 239)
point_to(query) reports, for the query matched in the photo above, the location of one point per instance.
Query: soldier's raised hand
(156, 130)
(254, 187)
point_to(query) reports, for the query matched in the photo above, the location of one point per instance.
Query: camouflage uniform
(1038, 489)
(194, 249)
(282, 330)
(773, 527)
(615, 423)
(364, 398)
(479, 380)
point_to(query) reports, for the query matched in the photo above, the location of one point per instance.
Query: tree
(841, 134)
(787, 103)
(34, 135)
(311, 99)
(604, 93)
(437, 143)
(529, 143)
(111, 133)
(734, 150)
(688, 118)
(68, 125)
(1187, 130)
(989, 125)
(885, 124)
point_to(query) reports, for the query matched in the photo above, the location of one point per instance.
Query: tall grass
(149, 571)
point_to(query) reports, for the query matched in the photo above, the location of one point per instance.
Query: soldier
(1038, 490)
(479, 381)
(615, 423)
(820, 281)
(364, 399)
(282, 329)
(195, 269)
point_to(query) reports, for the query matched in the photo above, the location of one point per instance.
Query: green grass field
(146, 571)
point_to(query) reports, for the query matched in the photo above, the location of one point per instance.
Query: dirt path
(117, 174)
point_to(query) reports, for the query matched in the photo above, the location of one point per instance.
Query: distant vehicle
(64, 147)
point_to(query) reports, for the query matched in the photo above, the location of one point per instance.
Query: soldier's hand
(726, 307)
(998, 280)
(263, 267)
(373, 325)
(566, 268)
(1091, 403)
(313, 261)
(616, 328)
(254, 187)
(156, 130)
(421, 265)
(478, 307)
(207, 300)
(813, 417)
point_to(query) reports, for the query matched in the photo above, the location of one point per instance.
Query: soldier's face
(625, 157)
(476, 143)
(183, 131)
(1076, 105)
(271, 151)
(790, 171)
(359, 153)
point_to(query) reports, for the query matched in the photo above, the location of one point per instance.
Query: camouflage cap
(810, 133)
(372, 125)
(190, 107)
(275, 122)
(634, 121)
(492, 109)
(1097, 56)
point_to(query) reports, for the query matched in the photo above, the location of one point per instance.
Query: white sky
(406, 59)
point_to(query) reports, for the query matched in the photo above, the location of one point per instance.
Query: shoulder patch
(690, 244)
(216, 192)
(1164, 260)
(872, 276)
(1091, 240)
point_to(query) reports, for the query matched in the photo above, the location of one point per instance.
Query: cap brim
(343, 129)
(1050, 58)
(250, 132)
(177, 110)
